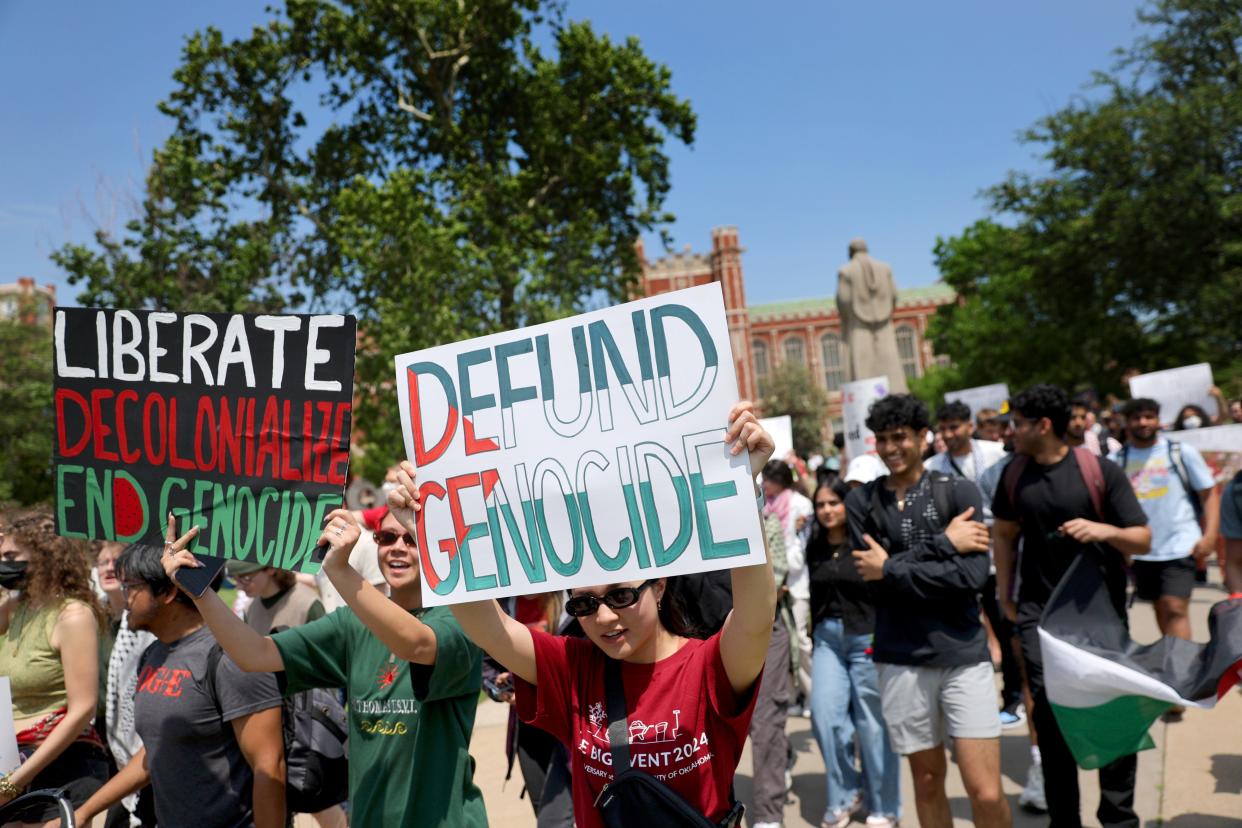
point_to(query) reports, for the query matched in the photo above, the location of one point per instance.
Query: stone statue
(866, 299)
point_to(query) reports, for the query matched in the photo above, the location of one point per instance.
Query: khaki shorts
(922, 704)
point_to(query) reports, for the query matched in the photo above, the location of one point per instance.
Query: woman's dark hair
(59, 568)
(143, 562)
(283, 578)
(897, 410)
(675, 616)
(1044, 400)
(955, 410)
(839, 488)
(1187, 410)
(778, 472)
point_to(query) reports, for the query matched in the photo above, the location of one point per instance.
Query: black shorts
(1157, 579)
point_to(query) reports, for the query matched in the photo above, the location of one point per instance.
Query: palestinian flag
(1105, 689)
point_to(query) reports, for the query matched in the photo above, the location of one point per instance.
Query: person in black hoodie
(845, 695)
(919, 538)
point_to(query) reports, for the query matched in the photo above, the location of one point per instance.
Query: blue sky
(817, 121)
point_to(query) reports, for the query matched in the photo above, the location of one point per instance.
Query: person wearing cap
(411, 698)
(278, 601)
(863, 469)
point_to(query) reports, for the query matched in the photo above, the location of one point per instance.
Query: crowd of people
(897, 585)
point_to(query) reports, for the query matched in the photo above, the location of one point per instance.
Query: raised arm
(251, 651)
(748, 627)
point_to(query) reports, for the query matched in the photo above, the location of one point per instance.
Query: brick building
(27, 302)
(805, 330)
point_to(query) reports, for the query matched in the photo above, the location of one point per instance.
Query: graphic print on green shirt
(409, 724)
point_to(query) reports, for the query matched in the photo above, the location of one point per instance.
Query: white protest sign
(981, 397)
(1175, 388)
(579, 452)
(9, 760)
(1221, 447)
(856, 398)
(781, 429)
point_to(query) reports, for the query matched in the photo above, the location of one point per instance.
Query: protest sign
(781, 429)
(238, 423)
(856, 398)
(1176, 387)
(584, 451)
(981, 397)
(1221, 447)
(9, 759)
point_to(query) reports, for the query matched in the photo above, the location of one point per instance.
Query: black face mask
(12, 574)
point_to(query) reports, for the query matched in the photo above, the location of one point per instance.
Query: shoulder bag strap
(618, 723)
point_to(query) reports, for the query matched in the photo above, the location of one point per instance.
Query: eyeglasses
(129, 586)
(385, 538)
(580, 606)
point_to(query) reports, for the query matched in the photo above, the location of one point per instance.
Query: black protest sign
(238, 423)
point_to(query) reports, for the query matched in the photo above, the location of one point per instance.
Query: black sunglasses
(385, 538)
(580, 606)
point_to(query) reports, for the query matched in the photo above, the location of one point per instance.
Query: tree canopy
(25, 401)
(1126, 251)
(442, 169)
(790, 389)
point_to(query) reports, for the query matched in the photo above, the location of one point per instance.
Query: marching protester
(792, 508)
(1062, 503)
(277, 599)
(1175, 487)
(693, 696)
(52, 625)
(1080, 433)
(412, 694)
(987, 426)
(212, 742)
(964, 455)
(918, 537)
(845, 697)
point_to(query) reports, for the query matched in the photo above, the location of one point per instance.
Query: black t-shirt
(837, 590)
(1047, 496)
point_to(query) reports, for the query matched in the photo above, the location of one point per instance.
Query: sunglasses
(580, 606)
(385, 538)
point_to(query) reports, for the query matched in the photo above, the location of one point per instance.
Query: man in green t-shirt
(411, 699)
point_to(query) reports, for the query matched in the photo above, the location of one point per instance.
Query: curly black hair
(955, 410)
(897, 410)
(1142, 405)
(1044, 400)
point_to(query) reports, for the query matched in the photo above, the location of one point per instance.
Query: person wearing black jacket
(845, 694)
(919, 539)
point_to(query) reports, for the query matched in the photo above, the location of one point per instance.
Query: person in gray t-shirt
(212, 745)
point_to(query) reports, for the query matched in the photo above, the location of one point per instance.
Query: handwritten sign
(1175, 388)
(238, 423)
(856, 398)
(1221, 447)
(579, 452)
(781, 429)
(981, 397)
(9, 758)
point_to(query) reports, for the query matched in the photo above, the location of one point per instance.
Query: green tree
(1127, 251)
(790, 389)
(444, 170)
(25, 401)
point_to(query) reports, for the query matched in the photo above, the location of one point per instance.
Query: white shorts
(922, 704)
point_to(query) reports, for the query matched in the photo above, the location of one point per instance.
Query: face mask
(1192, 422)
(12, 574)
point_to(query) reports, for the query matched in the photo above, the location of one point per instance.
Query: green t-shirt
(409, 724)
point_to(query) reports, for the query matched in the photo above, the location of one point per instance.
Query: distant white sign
(781, 429)
(589, 450)
(856, 398)
(1177, 387)
(981, 397)
(9, 759)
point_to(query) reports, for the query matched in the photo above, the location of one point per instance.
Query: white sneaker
(877, 821)
(766, 825)
(1032, 796)
(835, 819)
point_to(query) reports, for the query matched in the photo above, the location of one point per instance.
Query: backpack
(1179, 468)
(942, 495)
(635, 797)
(1088, 467)
(316, 734)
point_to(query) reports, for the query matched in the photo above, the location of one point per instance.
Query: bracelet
(7, 788)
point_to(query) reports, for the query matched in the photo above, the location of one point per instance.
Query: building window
(907, 351)
(834, 365)
(759, 351)
(795, 351)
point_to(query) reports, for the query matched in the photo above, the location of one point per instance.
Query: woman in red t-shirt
(688, 701)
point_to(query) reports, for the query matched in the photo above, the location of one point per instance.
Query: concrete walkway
(1193, 779)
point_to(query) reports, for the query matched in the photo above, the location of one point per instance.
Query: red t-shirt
(687, 725)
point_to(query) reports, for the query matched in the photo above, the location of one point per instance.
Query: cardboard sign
(981, 397)
(781, 429)
(9, 758)
(1221, 447)
(1175, 388)
(856, 398)
(236, 422)
(579, 452)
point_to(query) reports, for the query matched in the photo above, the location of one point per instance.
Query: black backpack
(316, 733)
(634, 797)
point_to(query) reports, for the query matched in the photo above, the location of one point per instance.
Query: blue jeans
(845, 700)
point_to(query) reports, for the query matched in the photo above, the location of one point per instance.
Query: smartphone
(198, 581)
